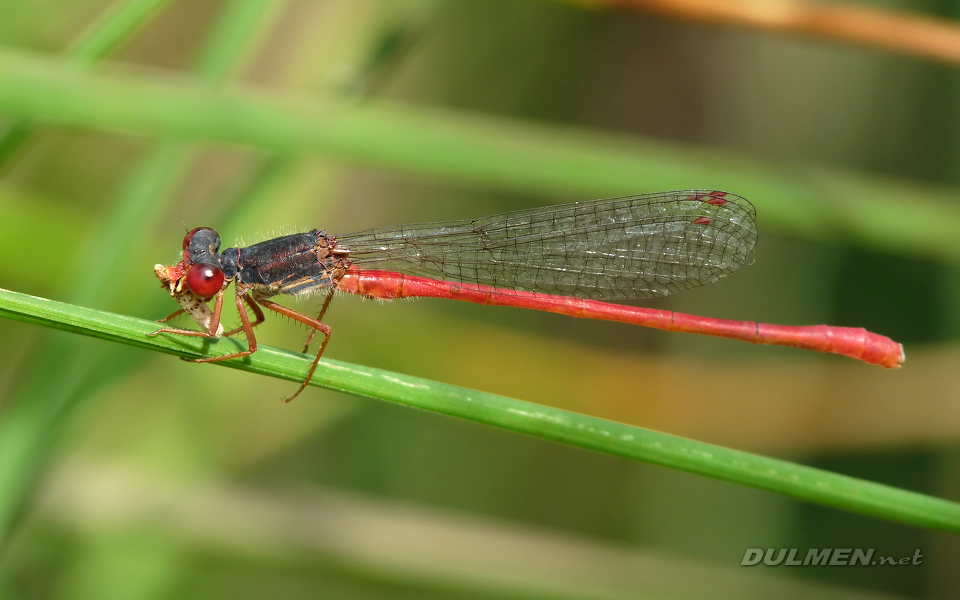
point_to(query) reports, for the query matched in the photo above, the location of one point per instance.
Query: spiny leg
(212, 330)
(171, 317)
(313, 332)
(317, 326)
(247, 327)
(256, 311)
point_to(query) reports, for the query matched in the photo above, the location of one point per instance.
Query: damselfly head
(199, 273)
(204, 275)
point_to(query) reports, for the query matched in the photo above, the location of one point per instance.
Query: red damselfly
(574, 259)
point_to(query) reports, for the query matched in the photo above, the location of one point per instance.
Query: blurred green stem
(107, 33)
(790, 479)
(31, 426)
(113, 28)
(806, 202)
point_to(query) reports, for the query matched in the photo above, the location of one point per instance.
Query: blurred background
(129, 474)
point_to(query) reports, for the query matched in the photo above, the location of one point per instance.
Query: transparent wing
(615, 249)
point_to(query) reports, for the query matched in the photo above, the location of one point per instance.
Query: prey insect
(574, 259)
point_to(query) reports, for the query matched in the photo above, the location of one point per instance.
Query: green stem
(106, 34)
(790, 479)
(113, 28)
(30, 427)
(231, 38)
(816, 204)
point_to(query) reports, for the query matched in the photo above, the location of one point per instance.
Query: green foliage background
(125, 472)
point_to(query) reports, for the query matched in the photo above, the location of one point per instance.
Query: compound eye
(189, 237)
(204, 280)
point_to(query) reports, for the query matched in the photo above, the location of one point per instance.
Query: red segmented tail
(848, 341)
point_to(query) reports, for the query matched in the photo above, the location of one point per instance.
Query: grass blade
(497, 152)
(114, 28)
(790, 479)
(30, 427)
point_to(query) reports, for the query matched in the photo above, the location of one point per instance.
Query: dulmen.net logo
(830, 557)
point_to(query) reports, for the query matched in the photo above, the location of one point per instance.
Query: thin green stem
(790, 479)
(30, 428)
(231, 38)
(811, 203)
(113, 28)
(107, 33)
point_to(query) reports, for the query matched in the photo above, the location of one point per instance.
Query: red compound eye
(204, 280)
